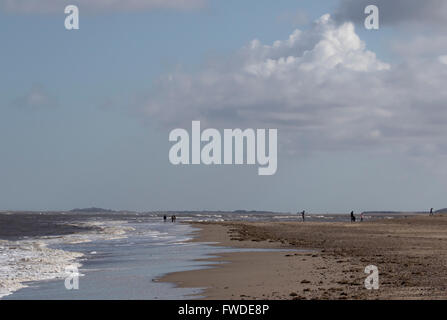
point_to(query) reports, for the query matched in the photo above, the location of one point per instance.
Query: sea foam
(32, 259)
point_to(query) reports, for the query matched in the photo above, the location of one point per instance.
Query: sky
(85, 114)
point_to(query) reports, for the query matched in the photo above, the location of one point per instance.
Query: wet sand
(410, 253)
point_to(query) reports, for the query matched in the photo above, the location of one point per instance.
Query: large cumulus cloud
(321, 88)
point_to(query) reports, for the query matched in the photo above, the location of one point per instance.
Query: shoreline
(286, 272)
(410, 253)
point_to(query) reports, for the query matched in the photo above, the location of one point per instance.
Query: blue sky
(86, 141)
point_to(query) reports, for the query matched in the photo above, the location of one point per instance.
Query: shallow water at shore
(128, 267)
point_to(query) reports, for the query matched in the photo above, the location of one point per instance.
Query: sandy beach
(410, 253)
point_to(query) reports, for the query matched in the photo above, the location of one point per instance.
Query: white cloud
(57, 6)
(36, 97)
(322, 88)
(443, 59)
(420, 46)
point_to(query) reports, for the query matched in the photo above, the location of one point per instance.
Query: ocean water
(127, 267)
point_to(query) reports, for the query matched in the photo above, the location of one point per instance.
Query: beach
(410, 253)
(120, 255)
(222, 255)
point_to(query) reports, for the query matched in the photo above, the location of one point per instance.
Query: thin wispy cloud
(57, 6)
(36, 97)
(395, 12)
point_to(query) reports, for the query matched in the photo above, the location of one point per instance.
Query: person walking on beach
(172, 218)
(164, 218)
(431, 211)
(352, 216)
(302, 214)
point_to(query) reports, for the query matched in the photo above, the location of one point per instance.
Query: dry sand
(410, 253)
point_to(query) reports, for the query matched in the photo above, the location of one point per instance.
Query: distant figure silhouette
(302, 214)
(172, 218)
(431, 211)
(352, 216)
(164, 218)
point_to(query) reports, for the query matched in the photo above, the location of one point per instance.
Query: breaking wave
(27, 260)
